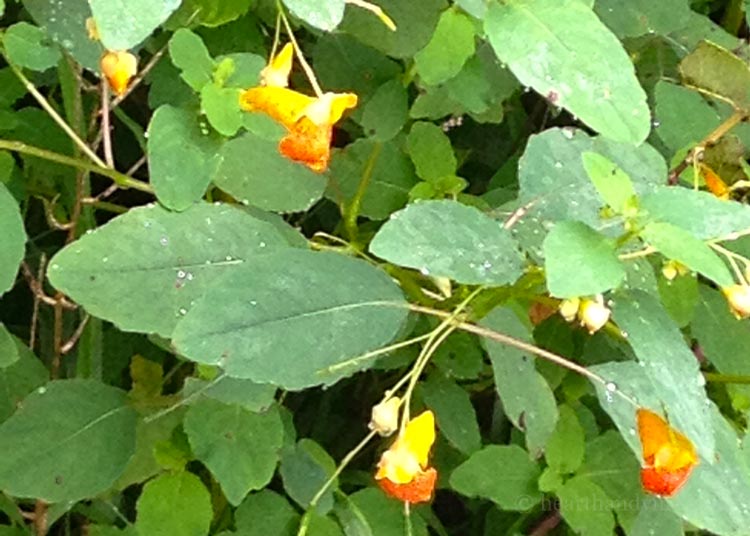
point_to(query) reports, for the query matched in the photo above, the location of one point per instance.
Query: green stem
(120, 179)
(716, 377)
(352, 211)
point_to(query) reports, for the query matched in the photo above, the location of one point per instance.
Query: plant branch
(352, 211)
(298, 52)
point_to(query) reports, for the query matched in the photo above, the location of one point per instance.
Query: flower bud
(738, 297)
(593, 314)
(119, 66)
(569, 308)
(384, 417)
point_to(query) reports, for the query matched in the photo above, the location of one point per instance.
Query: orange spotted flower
(403, 470)
(118, 67)
(668, 455)
(308, 120)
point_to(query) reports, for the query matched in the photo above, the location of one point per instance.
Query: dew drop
(183, 311)
(164, 240)
(611, 386)
(41, 390)
(181, 274)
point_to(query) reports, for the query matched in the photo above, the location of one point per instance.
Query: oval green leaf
(14, 239)
(123, 24)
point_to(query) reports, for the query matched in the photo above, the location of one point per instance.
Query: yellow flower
(569, 308)
(384, 417)
(403, 471)
(738, 297)
(593, 314)
(118, 67)
(309, 120)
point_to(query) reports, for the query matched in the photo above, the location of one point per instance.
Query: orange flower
(738, 298)
(119, 66)
(714, 183)
(668, 455)
(309, 120)
(403, 471)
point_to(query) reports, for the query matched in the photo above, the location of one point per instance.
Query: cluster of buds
(591, 313)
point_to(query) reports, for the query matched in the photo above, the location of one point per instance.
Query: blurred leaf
(454, 413)
(123, 24)
(386, 111)
(392, 176)
(253, 171)
(64, 23)
(246, 394)
(635, 18)
(384, 516)
(322, 14)
(182, 156)
(169, 259)
(77, 418)
(9, 351)
(431, 151)
(448, 239)
(323, 526)
(679, 297)
(452, 43)
(504, 474)
(527, 398)
(678, 244)
(587, 71)
(679, 207)
(575, 244)
(222, 108)
(266, 513)
(19, 379)
(174, 503)
(475, 8)
(239, 447)
(209, 12)
(612, 183)
(264, 322)
(28, 46)
(246, 71)
(415, 24)
(716, 70)
(191, 56)
(304, 469)
(565, 447)
(655, 517)
(582, 505)
(14, 239)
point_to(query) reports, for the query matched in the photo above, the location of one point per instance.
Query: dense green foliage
(195, 327)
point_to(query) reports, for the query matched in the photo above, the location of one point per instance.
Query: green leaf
(239, 447)
(19, 379)
(526, 396)
(587, 71)
(726, 473)
(579, 261)
(9, 350)
(182, 156)
(386, 111)
(162, 263)
(448, 239)
(415, 23)
(63, 23)
(581, 504)
(384, 516)
(246, 71)
(323, 526)
(456, 418)
(392, 177)
(504, 474)
(565, 447)
(249, 395)
(322, 14)
(635, 18)
(263, 322)
(678, 244)
(28, 46)
(14, 239)
(123, 24)
(716, 70)
(176, 503)
(209, 12)
(222, 108)
(253, 171)
(431, 151)
(679, 206)
(655, 517)
(191, 56)
(679, 297)
(612, 183)
(669, 364)
(266, 513)
(451, 45)
(304, 469)
(78, 418)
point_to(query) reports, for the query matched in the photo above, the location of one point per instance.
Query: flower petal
(328, 109)
(420, 435)
(118, 66)
(276, 73)
(419, 490)
(664, 448)
(284, 105)
(664, 483)
(308, 144)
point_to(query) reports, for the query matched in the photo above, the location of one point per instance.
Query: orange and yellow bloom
(403, 471)
(669, 457)
(738, 298)
(308, 120)
(119, 67)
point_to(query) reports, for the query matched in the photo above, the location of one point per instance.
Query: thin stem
(377, 10)
(276, 35)
(352, 212)
(122, 180)
(375, 353)
(55, 116)
(732, 257)
(303, 62)
(186, 400)
(106, 128)
(140, 76)
(645, 252)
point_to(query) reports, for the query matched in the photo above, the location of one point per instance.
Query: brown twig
(68, 346)
(546, 525)
(37, 301)
(38, 291)
(40, 518)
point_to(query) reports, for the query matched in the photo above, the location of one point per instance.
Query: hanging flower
(714, 182)
(738, 298)
(593, 314)
(118, 67)
(384, 417)
(309, 120)
(668, 456)
(403, 471)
